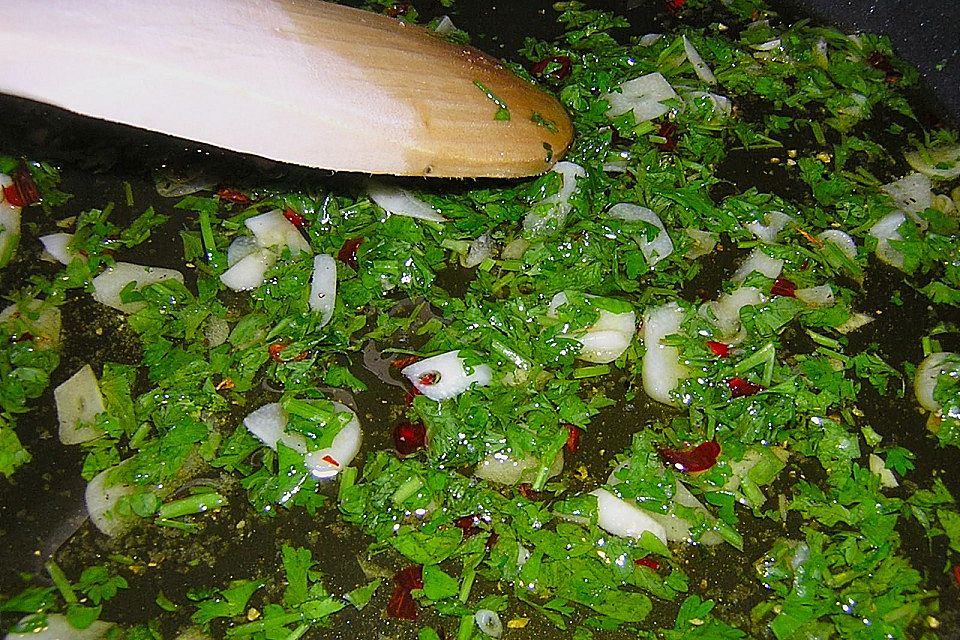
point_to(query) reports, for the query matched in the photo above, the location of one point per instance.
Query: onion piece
(725, 311)
(854, 322)
(704, 242)
(937, 162)
(505, 468)
(323, 287)
(59, 628)
(721, 105)
(328, 462)
(761, 263)
(653, 250)
(57, 247)
(623, 519)
(108, 285)
(885, 230)
(879, 468)
(912, 194)
(272, 229)
(268, 424)
(101, 496)
(699, 66)
(820, 296)
(249, 272)
(649, 39)
(480, 249)
(535, 222)
(489, 623)
(9, 231)
(644, 96)
(79, 401)
(842, 240)
(401, 202)
(662, 370)
(240, 248)
(444, 376)
(773, 223)
(606, 339)
(926, 376)
(445, 26)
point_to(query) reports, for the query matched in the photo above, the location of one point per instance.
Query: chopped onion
(328, 462)
(701, 68)
(101, 496)
(854, 322)
(653, 250)
(489, 623)
(323, 287)
(240, 248)
(505, 468)
(445, 26)
(401, 202)
(885, 230)
(721, 105)
(912, 194)
(926, 376)
(444, 376)
(59, 628)
(725, 311)
(662, 370)
(248, 273)
(606, 339)
(704, 242)
(841, 240)
(774, 223)
(559, 203)
(879, 468)
(57, 247)
(937, 162)
(821, 296)
(644, 96)
(272, 229)
(769, 45)
(649, 39)
(9, 231)
(480, 249)
(623, 519)
(761, 263)
(79, 401)
(108, 285)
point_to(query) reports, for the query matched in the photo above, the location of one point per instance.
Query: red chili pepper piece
(275, 350)
(560, 72)
(526, 490)
(573, 438)
(469, 525)
(330, 460)
(348, 252)
(294, 218)
(956, 574)
(401, 604)
(674, 6)
(740, 388)
(411, 394)
(700, 458)
(409, 437)
(719, 349)
(668, 131)
(25, 187)
(648, 562)
(783, 287)
(404, 362)
(429, 378)
(491, 541)
(235, 196)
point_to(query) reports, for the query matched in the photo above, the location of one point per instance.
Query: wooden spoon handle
(299, 81)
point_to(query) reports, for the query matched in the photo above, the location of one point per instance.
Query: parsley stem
(198, 503)
(765, 354)
(298, 632)
(465, 632)
(591, 372)
(62, 582)
(467, 585)
(206, 233)
(406, 490)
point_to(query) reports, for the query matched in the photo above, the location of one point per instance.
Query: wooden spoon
(299, 81)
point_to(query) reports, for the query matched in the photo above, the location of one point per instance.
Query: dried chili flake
(411, 394)
(956, 574)
(294, 218)
(740, 388)
(667, 131)
(559, 66)
(330, 460)
(491, 541)
(573, 438)
(409, 437)
(783, 287)
(700, 458)
(404, 362)
(719, 349)
(648, 562)
(527, 491)
(674, 6)
(275, 350)
(348, 252)
(227, 194)
(429, 378)
(401, 604)
(470, 525)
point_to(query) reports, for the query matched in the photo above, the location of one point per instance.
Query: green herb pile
(802, 524)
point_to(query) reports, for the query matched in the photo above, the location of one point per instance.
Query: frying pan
(42, 506)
